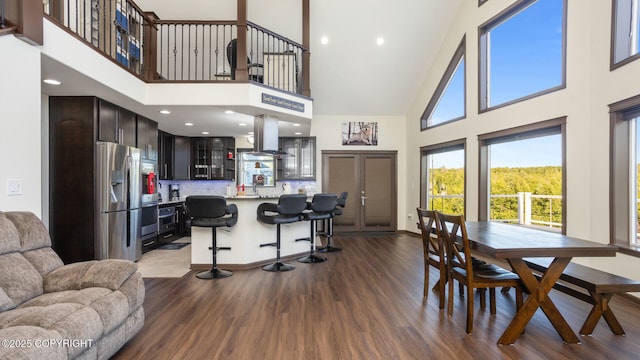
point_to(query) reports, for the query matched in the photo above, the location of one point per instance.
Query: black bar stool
(321, 207)
(340, 204)
(289, 209)
(212, 212)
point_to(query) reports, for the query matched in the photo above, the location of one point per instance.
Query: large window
(624, 177)
(522, 52)
(443, 177)
(626, 32)
(522, 176)
(448, 102)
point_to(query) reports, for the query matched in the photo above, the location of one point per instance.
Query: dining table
(514, 243)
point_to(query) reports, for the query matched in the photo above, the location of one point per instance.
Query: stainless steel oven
(166, 222)
(149, 224)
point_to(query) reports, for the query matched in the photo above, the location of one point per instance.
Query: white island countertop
(245, 237)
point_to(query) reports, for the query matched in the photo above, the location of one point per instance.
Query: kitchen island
(245, 238)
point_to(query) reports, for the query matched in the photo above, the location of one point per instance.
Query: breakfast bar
(245, 238)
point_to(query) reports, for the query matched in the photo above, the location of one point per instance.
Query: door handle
(363, 199)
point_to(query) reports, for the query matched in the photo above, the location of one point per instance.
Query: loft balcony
(194, 51)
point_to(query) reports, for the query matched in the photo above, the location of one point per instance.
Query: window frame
(483, 63)
(542, 128)
(425, 151)
(458, 55)
(620, 187)
(614, 31)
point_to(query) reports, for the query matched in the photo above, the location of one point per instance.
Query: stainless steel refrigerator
(119, 191)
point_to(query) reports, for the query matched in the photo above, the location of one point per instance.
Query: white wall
(590, 88)
(391, 135)
(20, 143)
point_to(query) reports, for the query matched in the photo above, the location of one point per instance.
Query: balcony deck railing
(181, 50)
(503, 206)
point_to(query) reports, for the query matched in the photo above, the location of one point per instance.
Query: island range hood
(265, 134)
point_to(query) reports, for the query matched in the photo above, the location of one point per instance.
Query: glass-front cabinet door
(297, 160)
(307, 165)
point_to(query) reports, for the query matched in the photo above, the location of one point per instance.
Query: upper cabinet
(181, 158)
(298, 161)
(116, 124)
(213, 158)
(165, 158)
(148, 138)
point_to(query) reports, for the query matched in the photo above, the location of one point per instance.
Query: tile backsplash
(219, 187)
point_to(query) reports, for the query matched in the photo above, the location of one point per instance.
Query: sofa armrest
(110, 274)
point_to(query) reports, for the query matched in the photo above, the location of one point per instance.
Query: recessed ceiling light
(380, 41)
(296, 124)
(52, 82)
(205, 133)
(324, 40)
(188, 124)
(242, 124)
(165, 112)
(298, 133)
(229, 112)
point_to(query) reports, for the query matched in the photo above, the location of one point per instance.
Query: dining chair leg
(483, 298)
(425, 292)
(492, 301)
(450, 300)
(470, 306)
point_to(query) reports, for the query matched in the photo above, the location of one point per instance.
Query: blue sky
(525, 58)
(540, 151)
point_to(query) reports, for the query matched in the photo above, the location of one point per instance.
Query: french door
(370, 178)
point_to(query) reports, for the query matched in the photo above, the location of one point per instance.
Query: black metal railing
(204, 51)
(194, 50)
(280, 57)
(180, 50)
(113, 27)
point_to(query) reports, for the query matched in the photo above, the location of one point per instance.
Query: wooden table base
(538, 298)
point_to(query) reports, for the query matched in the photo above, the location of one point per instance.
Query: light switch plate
(14, 187)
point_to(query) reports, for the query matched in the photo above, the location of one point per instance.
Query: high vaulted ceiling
(350, 75)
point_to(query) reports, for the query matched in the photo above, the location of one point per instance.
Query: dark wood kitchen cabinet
(165, 158)
(148, 138)
(213, 158)
(298, 158)
(181, 158)
(116, 124)
(76, 123)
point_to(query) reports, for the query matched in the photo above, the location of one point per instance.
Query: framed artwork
(360, 133)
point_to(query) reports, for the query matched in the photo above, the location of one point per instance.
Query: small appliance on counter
(174, 192)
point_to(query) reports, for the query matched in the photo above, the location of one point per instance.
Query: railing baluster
(115, 27)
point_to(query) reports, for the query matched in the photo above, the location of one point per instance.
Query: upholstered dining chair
(460, 267)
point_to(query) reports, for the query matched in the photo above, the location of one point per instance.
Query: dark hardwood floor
(363, 303)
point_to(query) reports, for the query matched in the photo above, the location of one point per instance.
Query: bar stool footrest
(269, 244)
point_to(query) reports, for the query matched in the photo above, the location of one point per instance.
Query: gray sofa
(49, 310)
